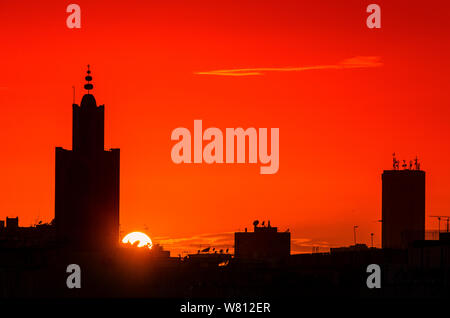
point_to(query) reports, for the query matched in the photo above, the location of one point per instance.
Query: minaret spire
(88, 78)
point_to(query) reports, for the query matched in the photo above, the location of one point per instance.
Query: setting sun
(142, 238)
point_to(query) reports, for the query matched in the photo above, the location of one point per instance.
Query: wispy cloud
(304, 245)
(350, 63)
(225, 240)
(192, 244)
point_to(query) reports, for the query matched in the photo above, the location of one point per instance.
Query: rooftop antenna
(404, 165)
(371, 239)
(395, 162)
(354, 233)
(417, 163)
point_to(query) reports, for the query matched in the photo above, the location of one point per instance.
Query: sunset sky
(344, 97)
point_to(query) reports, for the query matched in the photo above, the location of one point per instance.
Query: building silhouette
(12, 223)
(87, 181)
(264, 243)
(13, 236)
(403, 207)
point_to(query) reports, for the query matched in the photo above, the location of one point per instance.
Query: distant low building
(430, 253)
(14, 236)
(264, 243)
(12, 223)
(208, 259)
(351, 248)
(158, 251)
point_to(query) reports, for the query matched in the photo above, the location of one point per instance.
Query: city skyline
(338, 127)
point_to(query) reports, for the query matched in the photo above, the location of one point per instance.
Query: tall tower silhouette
(87, 181)
(403, 207)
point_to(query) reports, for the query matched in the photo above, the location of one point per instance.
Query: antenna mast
(439, 217)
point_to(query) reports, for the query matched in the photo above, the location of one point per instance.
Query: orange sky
(338, 126)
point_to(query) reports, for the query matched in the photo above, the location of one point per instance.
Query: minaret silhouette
(87, 181)
(88, 123)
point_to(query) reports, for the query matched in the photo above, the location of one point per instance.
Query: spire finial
(88, 78)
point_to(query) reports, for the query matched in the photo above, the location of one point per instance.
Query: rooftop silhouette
(85, 232)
